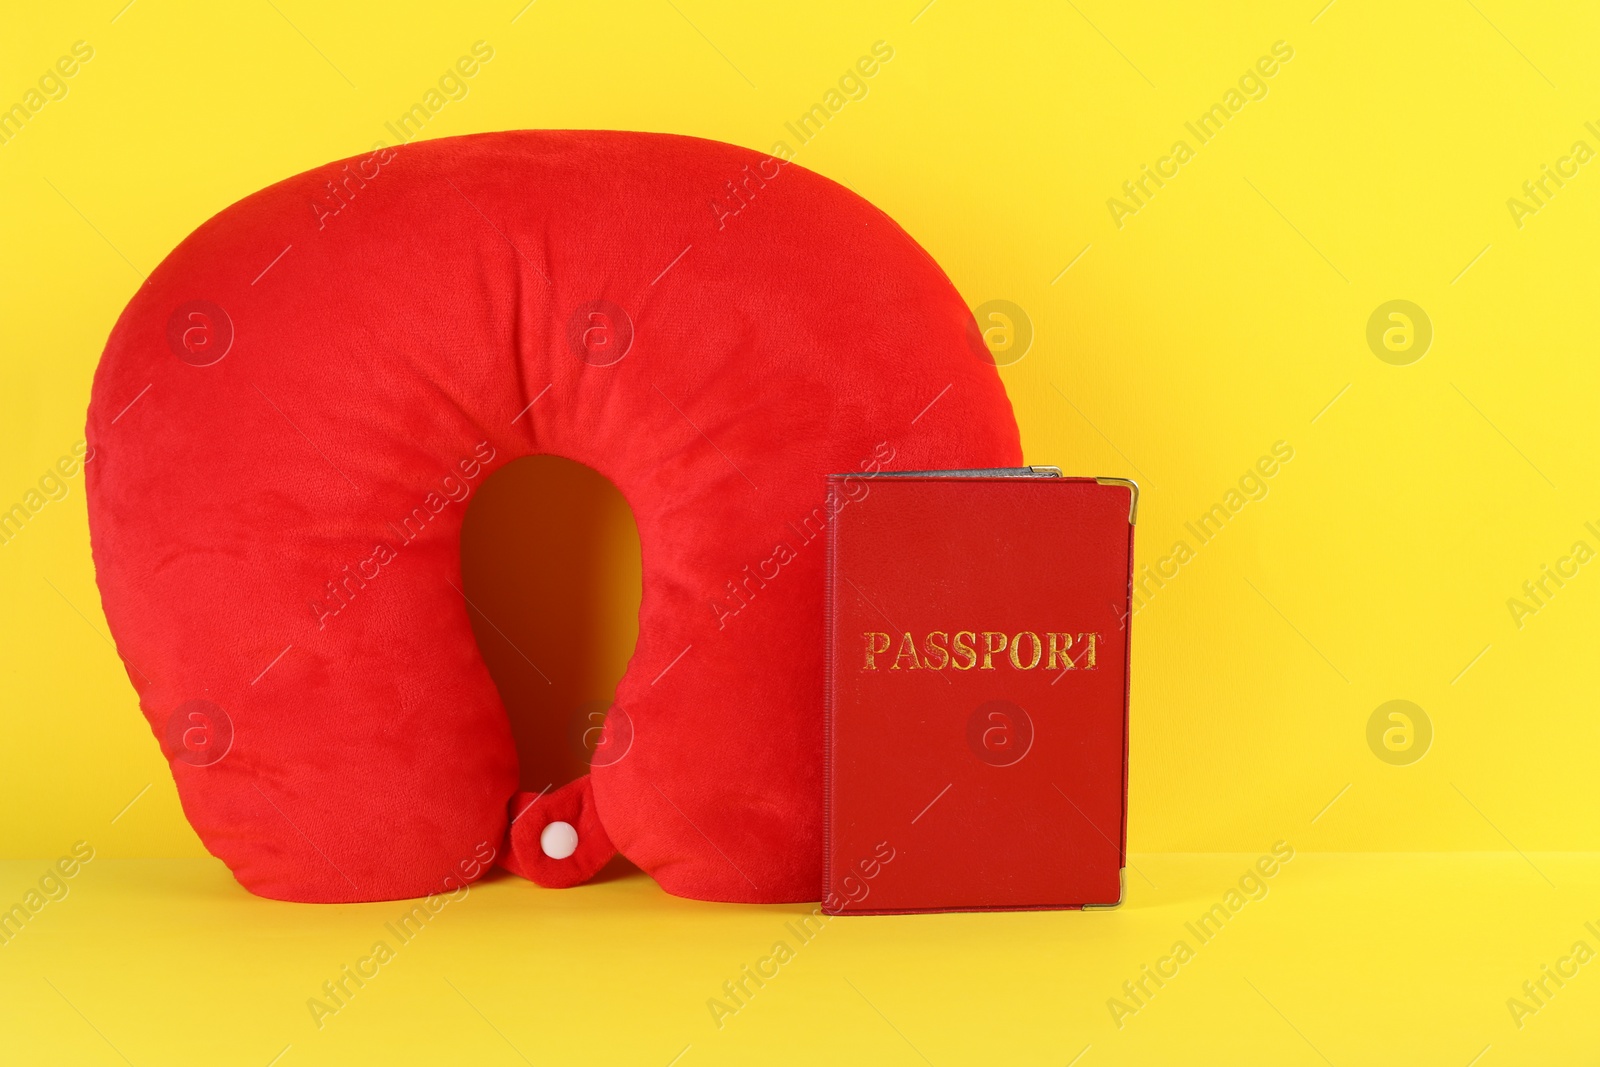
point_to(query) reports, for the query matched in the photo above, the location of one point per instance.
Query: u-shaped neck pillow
(292, 415)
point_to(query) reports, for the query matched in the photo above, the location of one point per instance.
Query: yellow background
(1228, 314)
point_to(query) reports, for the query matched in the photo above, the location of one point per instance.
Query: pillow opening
(550, 566)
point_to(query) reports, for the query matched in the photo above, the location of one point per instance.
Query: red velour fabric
(572, 804)
(292, 415)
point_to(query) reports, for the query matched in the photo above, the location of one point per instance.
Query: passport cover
(977, 691)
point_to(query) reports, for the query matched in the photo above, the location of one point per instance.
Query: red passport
(977, 691)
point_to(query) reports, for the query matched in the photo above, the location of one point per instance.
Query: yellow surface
(1346, 959)
(1178, 344)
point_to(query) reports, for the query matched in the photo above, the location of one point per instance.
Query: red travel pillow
(292, 415)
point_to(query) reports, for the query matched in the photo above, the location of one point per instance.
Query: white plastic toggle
(558, 840)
